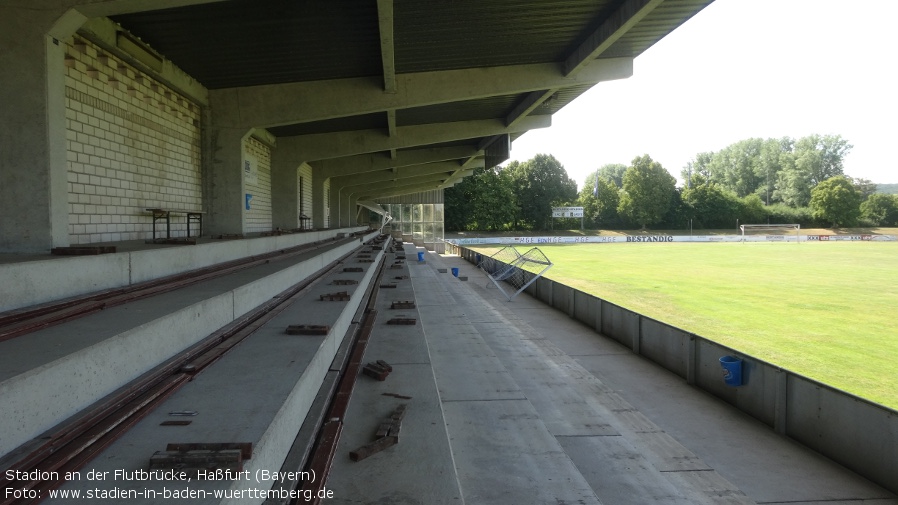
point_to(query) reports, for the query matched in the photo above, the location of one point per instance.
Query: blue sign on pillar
(248, 198)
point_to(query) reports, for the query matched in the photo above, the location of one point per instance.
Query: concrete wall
(304, 191)
(857, 433)
(257, 182)
(61, 277)
(132, 144)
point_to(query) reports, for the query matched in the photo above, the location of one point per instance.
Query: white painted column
(33, 165)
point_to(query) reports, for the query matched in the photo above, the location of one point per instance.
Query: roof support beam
(391, 128)
(368, 163)
(385, 22)
(405, 190)
(364, 163)
(97, 8)
(528, 105)
(290, 103)
(617, 24)
(444, 168)
(431, 180)
(306, 148)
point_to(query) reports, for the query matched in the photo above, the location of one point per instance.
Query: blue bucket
(732, 370)
(421, 256)
(455, 272)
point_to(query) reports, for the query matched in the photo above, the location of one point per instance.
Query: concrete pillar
(33, 166)
(335, 209)
(348, 209)
(318, 201)
(225, 192)
(284, 192)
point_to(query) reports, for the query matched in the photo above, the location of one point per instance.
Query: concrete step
(50, 375)
(258, 394)
(44, 278)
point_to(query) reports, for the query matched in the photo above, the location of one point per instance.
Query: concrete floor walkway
(515, 403)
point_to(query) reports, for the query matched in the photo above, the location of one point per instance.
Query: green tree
(865, 187)
(836, 200)
(882, 209)
(697, 171)
(457, 214)
(484, 200)
(599, 199)
(647, 191)
(752, 210)
(614, 172)
(493, 203)
(816, 158)
(712, 206)
(539, 184)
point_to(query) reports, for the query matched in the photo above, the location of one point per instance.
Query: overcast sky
(741, 69)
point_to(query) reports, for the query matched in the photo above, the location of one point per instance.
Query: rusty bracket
(192, 458)
(403, 320)
(308, 329)
(340, 296)
(372, 448)
(353, 269)
(175, 423)
(388, 286)
(401, 277)
(379, 369)
(344, 282)
(245, 448)
(82, 250)
(365, 261)
(402, 304)
(375, 371)
(387, 435)
(395, 267)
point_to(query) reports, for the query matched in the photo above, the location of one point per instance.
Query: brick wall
(257, 182)
(133, 144)
(304, 190)
(326, 209)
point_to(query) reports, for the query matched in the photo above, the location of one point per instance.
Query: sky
(741, 69)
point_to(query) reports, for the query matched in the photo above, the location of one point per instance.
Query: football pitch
(828, 311)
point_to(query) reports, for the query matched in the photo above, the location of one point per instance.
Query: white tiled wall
(304, 190)
(258, 184)
(133, 144)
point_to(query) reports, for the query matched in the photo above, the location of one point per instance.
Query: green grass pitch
(828, 311)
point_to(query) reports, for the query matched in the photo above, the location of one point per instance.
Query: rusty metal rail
(21, 322)
(322, 455)
(73, 444)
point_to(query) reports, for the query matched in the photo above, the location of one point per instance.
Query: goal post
(771, 227)
(510, 267)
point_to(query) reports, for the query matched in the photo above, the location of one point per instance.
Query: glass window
(428, 212)
(416, 213)
(438, 212)
(406, 228)
(419, 232)
(438, 231)
(406, 213)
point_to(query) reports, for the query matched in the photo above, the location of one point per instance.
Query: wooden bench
(193, 216)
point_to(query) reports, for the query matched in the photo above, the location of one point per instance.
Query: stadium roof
(401, 79)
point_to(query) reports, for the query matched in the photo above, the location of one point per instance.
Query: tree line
(776, 181)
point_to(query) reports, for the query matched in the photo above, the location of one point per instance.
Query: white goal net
(784, 230)
(510, 267)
